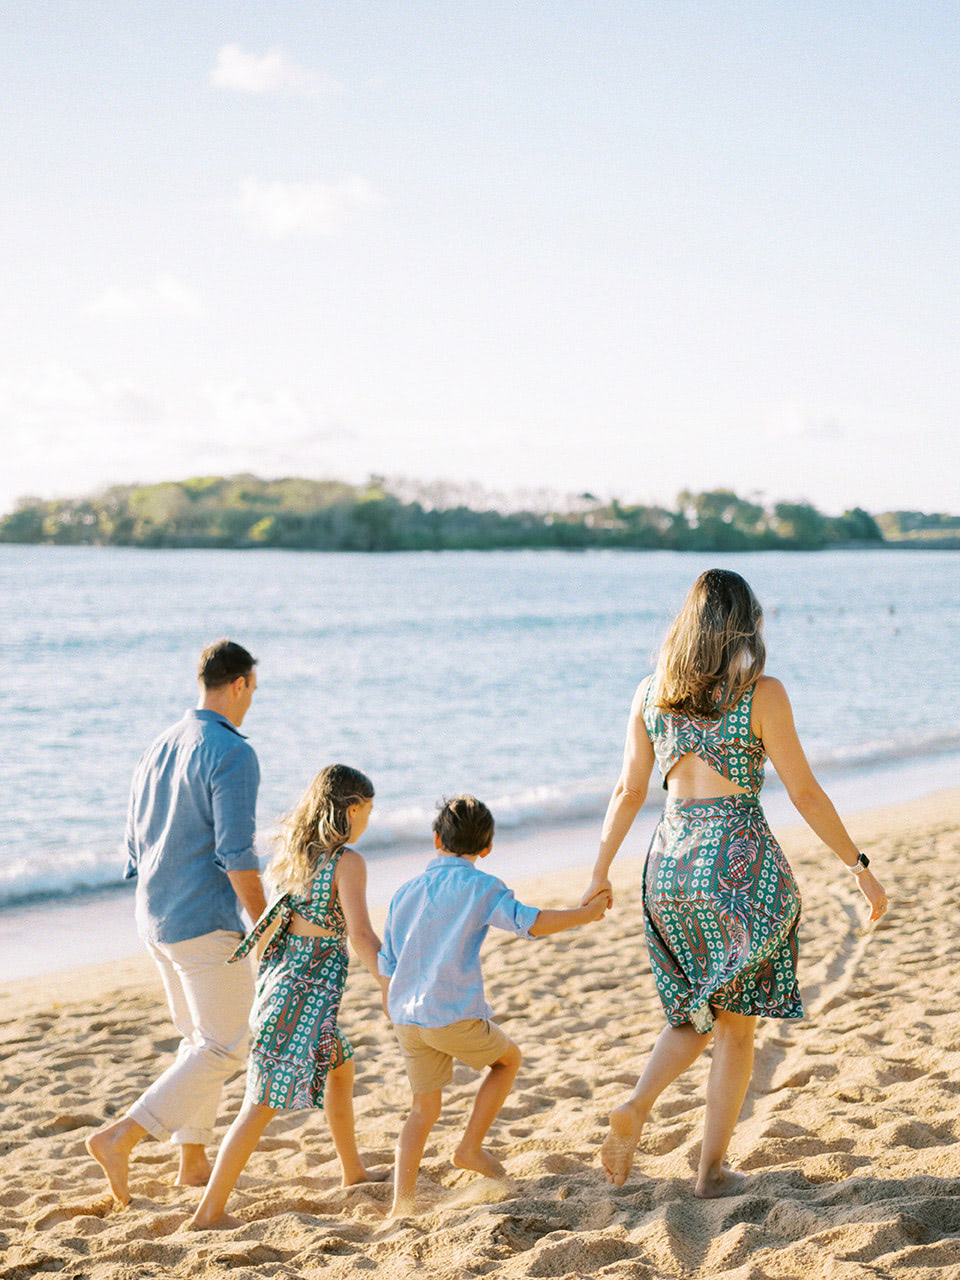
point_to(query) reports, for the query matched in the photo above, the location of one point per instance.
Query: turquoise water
(508, 674)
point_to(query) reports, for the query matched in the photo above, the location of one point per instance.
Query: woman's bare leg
(727, 1085)
(236, 1149)
(676, 1049)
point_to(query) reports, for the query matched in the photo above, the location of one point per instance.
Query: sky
(625, 248)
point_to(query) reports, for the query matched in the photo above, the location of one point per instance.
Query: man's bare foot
(111, 1147)
(225, 1222)
(479, 1161)
(194, 1177)
(362, 1175)
(195, 1169)
(719, 1183)
(616, 1154)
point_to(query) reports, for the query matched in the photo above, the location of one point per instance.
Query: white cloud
(279, 209)
(274, 72)
(166, 296)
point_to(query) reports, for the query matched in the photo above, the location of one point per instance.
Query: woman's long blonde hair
(714, 650)
(313, 832)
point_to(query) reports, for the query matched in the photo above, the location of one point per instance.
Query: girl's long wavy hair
(714, 650)
(318, 828)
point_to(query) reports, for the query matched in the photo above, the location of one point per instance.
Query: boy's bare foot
(111, 1147)
(479, 1161)
(364, 1175)
(720, 1183)
(225, 1222)
(616, 1154)
(403, 1208)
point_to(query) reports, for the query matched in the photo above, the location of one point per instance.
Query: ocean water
(506, 674)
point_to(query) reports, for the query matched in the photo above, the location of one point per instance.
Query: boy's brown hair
(464, 825)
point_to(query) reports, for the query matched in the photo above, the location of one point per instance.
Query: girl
(720, 903)
(299, 1052)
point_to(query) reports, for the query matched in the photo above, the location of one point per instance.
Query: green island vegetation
(380, 515)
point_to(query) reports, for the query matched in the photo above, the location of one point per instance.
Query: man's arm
(248, 887)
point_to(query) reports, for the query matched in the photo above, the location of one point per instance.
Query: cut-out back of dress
(725, 743)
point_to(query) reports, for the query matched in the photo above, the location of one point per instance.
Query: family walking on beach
(720, 911)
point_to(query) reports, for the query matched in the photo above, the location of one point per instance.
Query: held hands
(598, 885)
(873, 891)
(596, 906)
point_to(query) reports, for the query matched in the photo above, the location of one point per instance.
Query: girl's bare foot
(616, 1154)
(719, 1182)
(479, 1161)
(225, 1222)
(362, 1175)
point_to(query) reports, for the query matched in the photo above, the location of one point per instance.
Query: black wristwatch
(861, 864)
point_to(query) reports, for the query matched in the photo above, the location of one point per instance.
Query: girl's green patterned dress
(721, 906)
(296, 1040)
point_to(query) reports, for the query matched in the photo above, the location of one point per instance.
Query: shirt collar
(201, 713)
(447, 859)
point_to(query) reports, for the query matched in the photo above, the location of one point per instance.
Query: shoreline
(96, 926)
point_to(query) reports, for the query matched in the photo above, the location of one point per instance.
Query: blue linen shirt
(192, 818)
(431, 942)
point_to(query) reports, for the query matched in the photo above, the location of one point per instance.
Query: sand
(850, 1134)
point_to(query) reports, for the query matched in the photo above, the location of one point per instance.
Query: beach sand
(850, 1132)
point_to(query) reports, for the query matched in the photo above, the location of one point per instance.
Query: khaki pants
(210, 1003)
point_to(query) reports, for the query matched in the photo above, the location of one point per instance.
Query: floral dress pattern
(296, 1040)
(721, 905)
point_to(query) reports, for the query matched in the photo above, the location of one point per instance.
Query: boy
(431, 958)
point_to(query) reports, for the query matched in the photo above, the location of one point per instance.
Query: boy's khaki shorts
(428, 1052)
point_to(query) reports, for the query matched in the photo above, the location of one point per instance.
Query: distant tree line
(244, 511)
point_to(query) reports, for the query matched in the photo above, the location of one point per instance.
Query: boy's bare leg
(195, 1168)
(676, 1049)
(424, 1114)
(237, 1147)
(338, 1105)
(727, 1084)
(490, 1098)
(111, 1147)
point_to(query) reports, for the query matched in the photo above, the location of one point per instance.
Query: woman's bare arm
(627, 798)
(773, 724)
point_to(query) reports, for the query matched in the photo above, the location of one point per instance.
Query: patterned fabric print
(721, 911)
(725, 744)
(299, 988)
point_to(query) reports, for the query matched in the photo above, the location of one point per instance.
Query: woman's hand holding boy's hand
(598, 885)
(596, 907)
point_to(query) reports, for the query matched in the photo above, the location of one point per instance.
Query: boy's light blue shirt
(192, 818)
(431, 942)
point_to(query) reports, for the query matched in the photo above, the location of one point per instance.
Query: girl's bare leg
(491, 1096)
(727, 1084)
(237, 1147)
(676, 1049)
(338, 1105)
(424, 1114)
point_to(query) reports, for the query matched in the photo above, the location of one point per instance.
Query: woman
(720, 903)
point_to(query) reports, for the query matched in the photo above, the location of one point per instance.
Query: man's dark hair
(464, 825)
(223, 662)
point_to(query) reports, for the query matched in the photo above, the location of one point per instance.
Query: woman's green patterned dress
(296, 1040)
(721, 906)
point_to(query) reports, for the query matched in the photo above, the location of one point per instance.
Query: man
(190, 843)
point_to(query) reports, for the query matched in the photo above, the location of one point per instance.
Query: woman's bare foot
(111, 1147)
(479, 1161)
(722, 1182)
(616, 1154)
(225, 1222)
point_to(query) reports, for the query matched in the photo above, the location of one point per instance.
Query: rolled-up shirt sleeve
(234, 794)
(130, 836)
(507, 913)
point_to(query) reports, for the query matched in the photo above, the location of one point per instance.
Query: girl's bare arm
(350, 880)
(628, 795)
(773, 724)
